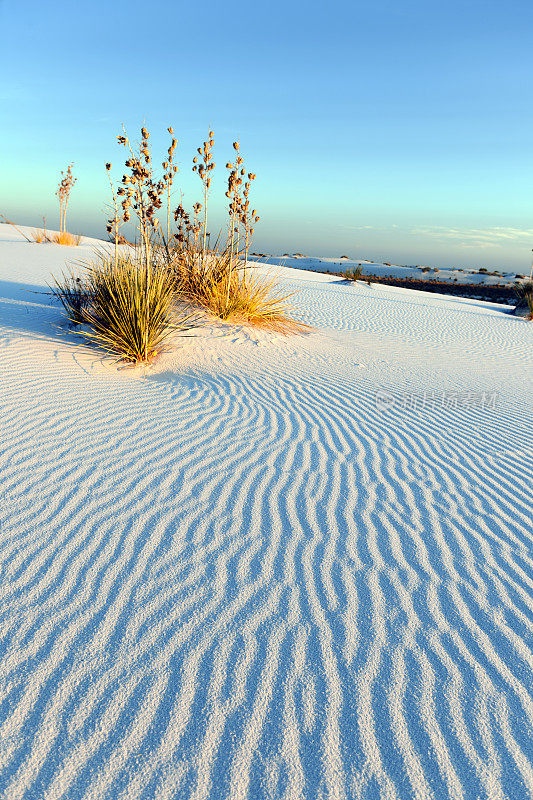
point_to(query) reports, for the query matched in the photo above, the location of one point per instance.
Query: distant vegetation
(354, 274)
(63, 237)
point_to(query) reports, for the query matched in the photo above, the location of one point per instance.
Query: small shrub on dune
(131, 308)
(217, 279)
(65, 238)
(239, 296)
(354, 274)
(39, 236)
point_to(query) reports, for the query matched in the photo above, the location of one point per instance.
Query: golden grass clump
(239, 296)
(64, 238)
(354, 274)
(127, 308)
(131, 308)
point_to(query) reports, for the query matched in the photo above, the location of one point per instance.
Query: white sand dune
(379, 269)
(275, 568)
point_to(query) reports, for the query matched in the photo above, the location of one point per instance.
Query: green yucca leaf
(129, 309)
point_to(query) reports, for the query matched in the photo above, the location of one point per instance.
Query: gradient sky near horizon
(397, 131)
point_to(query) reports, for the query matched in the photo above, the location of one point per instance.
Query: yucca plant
(64, 189)
(126, 307)
(131, 312)
(232, 294)
(354, 274)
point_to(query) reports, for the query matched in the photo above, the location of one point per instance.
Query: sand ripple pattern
(240, 579)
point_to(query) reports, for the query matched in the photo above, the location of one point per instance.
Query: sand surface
(382, 270)
(274, 568)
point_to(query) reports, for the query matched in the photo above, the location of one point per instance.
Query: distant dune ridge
(275, 568)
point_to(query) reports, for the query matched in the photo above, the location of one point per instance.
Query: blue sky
(388, 130)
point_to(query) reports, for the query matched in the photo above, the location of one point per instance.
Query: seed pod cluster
(66, 182)
(203, 163)
(141, 194)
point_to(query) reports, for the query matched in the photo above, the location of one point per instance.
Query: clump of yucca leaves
(127, 303)
(242, 297)
(131, 308)
(354, 274)
(125, 312)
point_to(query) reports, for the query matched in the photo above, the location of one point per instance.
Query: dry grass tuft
(127, 309)
(65, 238)
(131, 308)
(354, 274)
(238, 296)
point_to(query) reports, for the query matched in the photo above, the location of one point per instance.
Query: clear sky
(390, 130)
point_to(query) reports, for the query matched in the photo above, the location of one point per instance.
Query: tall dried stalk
(64, 188)
(168, 178)
(204, 169)
(247, 218)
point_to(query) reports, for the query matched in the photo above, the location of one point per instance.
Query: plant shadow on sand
(28, 309)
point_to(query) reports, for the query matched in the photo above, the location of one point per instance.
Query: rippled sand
(275, 567)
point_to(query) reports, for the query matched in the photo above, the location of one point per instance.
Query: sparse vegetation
(130, 310)
(241, 297)
(65, 238)
(39, 235)
(354, 274)
(128, 303)
(64, 188)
